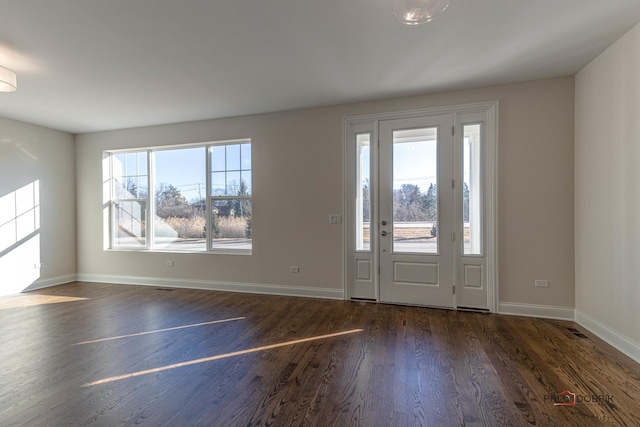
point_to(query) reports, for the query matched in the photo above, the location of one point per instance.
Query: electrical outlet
(170, 263)
(294, 269)
(38, 265)
(542, 283)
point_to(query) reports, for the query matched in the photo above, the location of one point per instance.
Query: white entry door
(420, 208)
(415, 201)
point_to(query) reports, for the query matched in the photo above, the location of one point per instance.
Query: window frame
(114, 200)
(150, 200)
(211, 198)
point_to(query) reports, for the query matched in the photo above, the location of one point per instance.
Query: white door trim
(490, 186)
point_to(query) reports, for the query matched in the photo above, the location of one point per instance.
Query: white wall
(32, 156)
(607, 204)
(298, 181)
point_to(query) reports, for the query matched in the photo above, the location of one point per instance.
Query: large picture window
(200, 199)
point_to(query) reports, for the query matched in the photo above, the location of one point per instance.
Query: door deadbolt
(384, 222)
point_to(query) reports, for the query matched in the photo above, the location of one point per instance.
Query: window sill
(169, 251)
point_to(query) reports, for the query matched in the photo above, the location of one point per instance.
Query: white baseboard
(253, 288)
(53, 281)
(534, 310)
(620, 342)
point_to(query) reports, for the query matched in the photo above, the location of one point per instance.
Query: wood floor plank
(115, 355)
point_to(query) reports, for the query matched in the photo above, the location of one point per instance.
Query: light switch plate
(335, 219)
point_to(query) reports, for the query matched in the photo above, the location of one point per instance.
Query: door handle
(383, 233)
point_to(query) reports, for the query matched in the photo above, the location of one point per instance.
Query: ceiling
(87, 66)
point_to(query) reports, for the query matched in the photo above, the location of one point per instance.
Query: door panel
(416, 264)
(415, 273)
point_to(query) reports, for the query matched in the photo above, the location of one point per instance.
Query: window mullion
(208, 210)
(112, 210)
(226, 170)
(151, 202)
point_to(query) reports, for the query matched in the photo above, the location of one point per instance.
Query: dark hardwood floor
(111, 355)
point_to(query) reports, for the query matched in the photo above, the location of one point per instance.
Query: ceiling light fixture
(414, 12)
(8, 82)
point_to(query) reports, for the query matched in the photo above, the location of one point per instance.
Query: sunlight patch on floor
(16, 301)
(218, 357)
(137, 334)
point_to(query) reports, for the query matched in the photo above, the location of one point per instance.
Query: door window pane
(415, 190)
(471, 190)
(363, 192)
